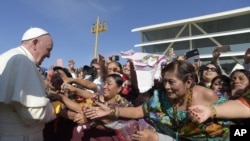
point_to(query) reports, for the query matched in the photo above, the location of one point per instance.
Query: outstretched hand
(80, 118)
(199, 113)
(93, 112)
(65, 78)
(66, 86)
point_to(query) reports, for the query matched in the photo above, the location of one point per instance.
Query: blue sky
(70, 21)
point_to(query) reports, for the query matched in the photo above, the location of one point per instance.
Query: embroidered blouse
(159, 112)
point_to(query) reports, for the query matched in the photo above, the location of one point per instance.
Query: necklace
(189, 103)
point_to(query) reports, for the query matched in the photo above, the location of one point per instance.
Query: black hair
(89, 70)
(183, 69)
(56, 79)
(63, 69)
(224, 78)
(202, 68)
(241, 91)
(118, 64)
(117, 78)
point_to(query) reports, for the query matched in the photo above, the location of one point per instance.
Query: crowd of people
(102, 101)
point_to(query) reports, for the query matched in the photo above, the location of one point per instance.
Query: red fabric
(244, 101)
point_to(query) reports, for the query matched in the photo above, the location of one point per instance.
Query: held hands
(93, 113)
(145, 135)
(80, 118)
(199, 113)
(96, 112)
(66, 86)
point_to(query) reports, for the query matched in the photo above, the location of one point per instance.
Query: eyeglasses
(211, 69)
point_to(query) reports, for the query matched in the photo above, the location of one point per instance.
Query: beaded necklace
(189, 103)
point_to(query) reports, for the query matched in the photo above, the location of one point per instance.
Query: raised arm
(72, 105)
(78, 91)
(216, 59)
(85, 83)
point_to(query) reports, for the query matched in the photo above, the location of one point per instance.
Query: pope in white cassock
(24, 109)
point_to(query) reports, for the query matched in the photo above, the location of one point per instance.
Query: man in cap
(24, 109)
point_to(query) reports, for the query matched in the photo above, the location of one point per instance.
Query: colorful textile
(120, 102)
(160, 113)
(245, 98)
(124, 129)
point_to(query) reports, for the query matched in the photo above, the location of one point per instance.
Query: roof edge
(204, 17)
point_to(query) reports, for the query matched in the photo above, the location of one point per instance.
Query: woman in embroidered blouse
(112, 87)
(166, 110)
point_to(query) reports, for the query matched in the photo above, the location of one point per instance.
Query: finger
(87, 113)
(140, 132)
(63, 86)
(91, 114)
(193, 108)
(140, 128)
(135, 137)
(89, 109)
(76, 119)
(102, 105)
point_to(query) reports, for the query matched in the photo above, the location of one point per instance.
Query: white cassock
(24, 109)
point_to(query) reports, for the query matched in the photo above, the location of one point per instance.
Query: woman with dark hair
(237, 107)
(61, 128)
(207, 72)
(130, 89)
(240, 81)
(167, 109)
(221, 85)
(240, 85)
(114, 67)
(94, 129)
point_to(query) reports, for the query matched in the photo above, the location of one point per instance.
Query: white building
(204, 32)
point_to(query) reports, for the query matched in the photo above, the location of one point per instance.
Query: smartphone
(192, 53)
(224, 48)
(115, 58)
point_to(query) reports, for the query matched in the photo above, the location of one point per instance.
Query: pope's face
(44, 46)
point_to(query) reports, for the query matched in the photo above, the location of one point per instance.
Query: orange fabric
(244, 101)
